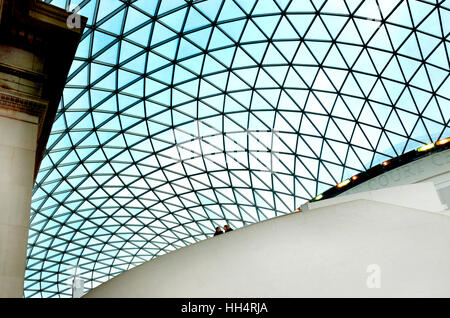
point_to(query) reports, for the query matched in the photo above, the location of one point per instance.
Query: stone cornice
(21, 72)
(23, 104)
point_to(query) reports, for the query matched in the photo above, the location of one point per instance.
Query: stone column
(36, 51)
(18, 134)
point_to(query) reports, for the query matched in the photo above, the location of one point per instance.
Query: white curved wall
(324, 252)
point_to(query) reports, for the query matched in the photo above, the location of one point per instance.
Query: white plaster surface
(324, 252)
(17, 156)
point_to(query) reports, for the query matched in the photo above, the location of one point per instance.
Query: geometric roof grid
(180, 116)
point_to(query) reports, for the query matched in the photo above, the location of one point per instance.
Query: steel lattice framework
(180, 116)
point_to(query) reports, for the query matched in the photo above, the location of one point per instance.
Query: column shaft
(18, 133)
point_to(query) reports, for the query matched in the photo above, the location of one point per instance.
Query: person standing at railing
(218, 231)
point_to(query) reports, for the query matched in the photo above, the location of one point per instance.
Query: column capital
(37, 47)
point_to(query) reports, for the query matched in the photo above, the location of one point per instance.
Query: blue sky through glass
(179, 116)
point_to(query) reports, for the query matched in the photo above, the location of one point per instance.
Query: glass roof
(180, 116)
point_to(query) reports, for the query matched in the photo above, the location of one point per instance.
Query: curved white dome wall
(325, 252)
